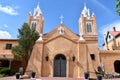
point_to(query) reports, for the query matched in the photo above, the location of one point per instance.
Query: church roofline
(65, 27)
(60, 36)
(109, 51)
(8, 39)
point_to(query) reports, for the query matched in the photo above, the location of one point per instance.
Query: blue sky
(13, 13)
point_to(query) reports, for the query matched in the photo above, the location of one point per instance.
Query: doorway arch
(117, 66)
(60, 66)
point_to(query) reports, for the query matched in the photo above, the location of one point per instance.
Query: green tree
(26, 40)
(118, 7)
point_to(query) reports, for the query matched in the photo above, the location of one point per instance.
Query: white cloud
(4, 35)
(100, 4)
(106, 9)
(110, 26)
(5, 25)
(16, 7)
(8, 9)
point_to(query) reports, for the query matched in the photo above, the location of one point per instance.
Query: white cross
(61, 19)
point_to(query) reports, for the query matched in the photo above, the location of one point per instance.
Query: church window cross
(61, 19)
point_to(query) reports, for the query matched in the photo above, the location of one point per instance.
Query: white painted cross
(61, 19)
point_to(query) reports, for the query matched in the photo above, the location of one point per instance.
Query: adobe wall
(108, 57)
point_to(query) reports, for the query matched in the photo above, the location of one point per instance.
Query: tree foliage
(118, 7)
(26, 40)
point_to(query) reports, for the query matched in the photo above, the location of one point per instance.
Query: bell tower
(87, 23)
(36, 21)
(88, 33)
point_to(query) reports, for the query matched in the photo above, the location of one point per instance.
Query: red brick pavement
(42, 78)
(46, 78)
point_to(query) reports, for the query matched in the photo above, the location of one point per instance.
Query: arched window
(89, 26)
(33, 25)
(117, 66)
(61, 30)
(109, 36)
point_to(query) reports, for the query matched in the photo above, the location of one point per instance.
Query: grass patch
(4, 72)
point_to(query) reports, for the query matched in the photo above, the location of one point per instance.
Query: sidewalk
(48, 78)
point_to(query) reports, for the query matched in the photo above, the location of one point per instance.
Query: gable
(114, 33)
(60, 43)
(109, 37)
(56, 32)
(60, 36)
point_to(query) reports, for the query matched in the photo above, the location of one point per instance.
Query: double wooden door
(60, 66)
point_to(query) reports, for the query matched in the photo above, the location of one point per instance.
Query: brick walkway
(46, 78)
(42, 78)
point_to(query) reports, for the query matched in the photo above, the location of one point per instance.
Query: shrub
(86, 72)
(33, 74)
(5, 71)
(2, 75)
(99, 75)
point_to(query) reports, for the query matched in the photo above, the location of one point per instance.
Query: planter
(99, 77)
(86, 75)
(33, 74)
(17, 75)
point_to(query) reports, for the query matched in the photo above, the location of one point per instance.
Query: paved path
(42, 78)
(47, 78)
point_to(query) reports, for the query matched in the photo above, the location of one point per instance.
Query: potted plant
(99, 76)
(17, 75)
(33, 74)
(86, 75)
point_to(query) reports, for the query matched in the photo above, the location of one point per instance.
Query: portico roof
(8, 56)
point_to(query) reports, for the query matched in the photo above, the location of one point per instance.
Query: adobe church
(61, 52)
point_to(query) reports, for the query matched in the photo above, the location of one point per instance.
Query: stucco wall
(108, 58)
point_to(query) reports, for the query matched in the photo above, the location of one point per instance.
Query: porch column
(10, 63)
(51, 68)
(67, 75)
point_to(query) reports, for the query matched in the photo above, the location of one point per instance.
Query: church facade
(61, 52)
